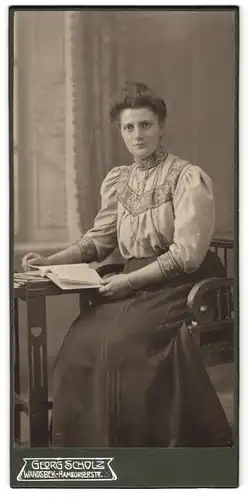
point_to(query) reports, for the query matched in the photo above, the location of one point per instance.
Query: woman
(128, 373)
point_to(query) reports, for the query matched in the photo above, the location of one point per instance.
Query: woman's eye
(146, 125)
(129, 128)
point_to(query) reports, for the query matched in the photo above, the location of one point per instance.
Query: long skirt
(129, 374)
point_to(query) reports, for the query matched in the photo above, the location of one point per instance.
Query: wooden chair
(211, 303)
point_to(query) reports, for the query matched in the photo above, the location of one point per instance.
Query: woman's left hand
(115, 287)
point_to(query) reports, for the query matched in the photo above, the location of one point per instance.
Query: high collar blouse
(165, 210)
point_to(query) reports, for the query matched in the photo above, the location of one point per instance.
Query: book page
(65, 285)
(72, 273)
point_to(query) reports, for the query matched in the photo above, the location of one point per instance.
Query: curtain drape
(96, 74)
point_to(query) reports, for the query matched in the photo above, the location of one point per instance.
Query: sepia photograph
(124, 227)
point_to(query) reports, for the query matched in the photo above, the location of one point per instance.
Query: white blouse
(166, 210)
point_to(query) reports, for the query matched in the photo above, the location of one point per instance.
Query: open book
(70, 276)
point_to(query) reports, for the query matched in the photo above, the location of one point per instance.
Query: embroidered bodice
(163, 208)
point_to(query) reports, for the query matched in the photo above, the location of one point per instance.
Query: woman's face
(141, 131)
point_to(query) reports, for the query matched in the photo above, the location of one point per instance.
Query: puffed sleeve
(194, 213)
(101, 240)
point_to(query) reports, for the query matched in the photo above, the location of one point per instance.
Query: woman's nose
(137, 133)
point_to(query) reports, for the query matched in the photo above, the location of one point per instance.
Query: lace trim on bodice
(153, 198)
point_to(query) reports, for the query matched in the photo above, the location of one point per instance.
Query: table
(37, 404)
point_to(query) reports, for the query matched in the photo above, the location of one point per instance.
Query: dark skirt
(129, 374)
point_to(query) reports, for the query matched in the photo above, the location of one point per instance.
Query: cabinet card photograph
(124, 274)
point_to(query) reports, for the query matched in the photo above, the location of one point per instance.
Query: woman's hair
(137, 95)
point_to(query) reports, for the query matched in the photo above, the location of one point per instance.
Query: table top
(25, 287)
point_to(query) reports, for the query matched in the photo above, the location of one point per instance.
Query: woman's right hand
(34, 259)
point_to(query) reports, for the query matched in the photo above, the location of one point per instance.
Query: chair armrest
(210, 300)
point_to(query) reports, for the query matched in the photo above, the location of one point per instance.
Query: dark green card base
(141, 468)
